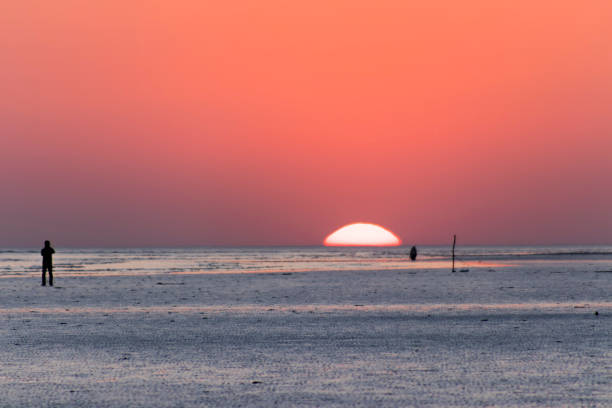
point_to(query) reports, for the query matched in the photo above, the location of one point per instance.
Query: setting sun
(361, 233)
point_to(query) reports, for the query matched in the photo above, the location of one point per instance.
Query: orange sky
(276, 122)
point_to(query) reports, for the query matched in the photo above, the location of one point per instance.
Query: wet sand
(514, 336)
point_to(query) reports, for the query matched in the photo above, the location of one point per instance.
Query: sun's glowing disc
(362, 233)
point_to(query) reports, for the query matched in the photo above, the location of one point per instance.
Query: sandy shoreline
(512, 337)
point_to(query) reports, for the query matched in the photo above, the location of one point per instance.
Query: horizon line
(308, 246)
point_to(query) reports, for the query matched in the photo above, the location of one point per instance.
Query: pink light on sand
(362, 234)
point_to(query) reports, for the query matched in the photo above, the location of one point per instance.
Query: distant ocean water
(206, 260)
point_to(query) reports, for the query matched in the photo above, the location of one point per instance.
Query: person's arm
(52, 250)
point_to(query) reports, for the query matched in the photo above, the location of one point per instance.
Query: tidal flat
(530, 334)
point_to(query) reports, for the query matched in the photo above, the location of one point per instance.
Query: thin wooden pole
(454, 241)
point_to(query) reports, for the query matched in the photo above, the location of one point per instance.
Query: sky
(269, 122)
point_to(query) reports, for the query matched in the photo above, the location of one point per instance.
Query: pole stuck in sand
(454, 241)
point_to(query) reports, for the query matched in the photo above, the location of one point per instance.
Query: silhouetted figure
(413, 253)
(47, 254)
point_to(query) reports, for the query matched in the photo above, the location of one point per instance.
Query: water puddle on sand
(341, 267)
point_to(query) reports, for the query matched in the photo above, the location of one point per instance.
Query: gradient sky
(144, 123)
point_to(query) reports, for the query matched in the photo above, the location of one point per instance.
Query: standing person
(413, 253)
(47, 254)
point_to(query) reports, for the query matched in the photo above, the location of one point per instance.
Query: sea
(15, 262)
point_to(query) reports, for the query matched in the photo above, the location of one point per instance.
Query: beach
(307, 327)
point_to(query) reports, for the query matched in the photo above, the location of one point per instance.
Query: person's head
(47, 244)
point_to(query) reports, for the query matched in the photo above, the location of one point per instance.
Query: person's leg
(44, 276)
(50, 276)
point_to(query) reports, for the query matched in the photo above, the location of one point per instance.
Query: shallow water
(372, 329)
(146, 261)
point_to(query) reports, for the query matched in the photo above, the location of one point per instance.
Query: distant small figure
(47, 264)
(413, 253)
